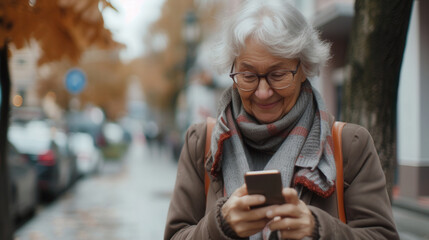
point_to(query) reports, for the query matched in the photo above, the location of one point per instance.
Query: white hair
(279, 26)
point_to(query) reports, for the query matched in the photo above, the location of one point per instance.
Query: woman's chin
(267, 118)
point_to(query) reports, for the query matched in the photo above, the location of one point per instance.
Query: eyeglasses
(278, 79)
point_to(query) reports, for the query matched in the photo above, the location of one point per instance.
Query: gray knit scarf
(300, 141)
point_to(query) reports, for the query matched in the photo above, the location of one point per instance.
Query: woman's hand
(293, 219)
(241, 219)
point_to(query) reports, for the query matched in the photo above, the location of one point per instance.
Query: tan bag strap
(337, 129)
(338, 155)
(210, 125)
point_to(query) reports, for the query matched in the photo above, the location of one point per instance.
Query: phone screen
(267, 183)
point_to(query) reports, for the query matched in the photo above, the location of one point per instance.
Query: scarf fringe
(312, 186)
(215, 169)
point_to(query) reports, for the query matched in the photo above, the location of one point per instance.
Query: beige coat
(367, 206)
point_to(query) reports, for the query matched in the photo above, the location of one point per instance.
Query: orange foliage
(63, 28)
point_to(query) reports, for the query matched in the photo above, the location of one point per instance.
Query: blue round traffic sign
(75, 80)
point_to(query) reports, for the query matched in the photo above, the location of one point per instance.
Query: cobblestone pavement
(127, 200)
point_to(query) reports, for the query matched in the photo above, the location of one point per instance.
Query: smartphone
(267, 183)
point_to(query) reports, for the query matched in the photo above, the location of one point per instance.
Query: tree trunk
(5, 214)
(375, 56)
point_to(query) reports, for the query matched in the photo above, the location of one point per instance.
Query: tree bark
(376, 50)
(5, 214)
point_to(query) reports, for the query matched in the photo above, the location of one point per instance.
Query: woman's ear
(301, 74)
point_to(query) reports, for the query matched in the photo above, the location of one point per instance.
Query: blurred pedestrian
(272, 118)
(200, 96)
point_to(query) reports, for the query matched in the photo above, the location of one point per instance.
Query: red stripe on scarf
(324, 116)
(223, 120)
(243, 118)
(330, 142)
(300, 131)
(314, 187)
(222, 138)
(272, 129)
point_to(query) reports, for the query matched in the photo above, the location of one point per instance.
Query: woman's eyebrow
(246, 66)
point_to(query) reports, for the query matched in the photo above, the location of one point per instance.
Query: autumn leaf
(63, 28)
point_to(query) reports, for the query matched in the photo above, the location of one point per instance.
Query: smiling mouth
(267, 106)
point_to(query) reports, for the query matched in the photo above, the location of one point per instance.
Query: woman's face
(264, 103)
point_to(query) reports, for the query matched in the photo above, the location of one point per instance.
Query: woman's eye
(277, 75)
(249, 76)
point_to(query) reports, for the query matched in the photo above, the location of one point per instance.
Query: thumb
(241, 191)
(291, 196)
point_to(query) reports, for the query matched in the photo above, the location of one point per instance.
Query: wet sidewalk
(128, 200)
(412, 219)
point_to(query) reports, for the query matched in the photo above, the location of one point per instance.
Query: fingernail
(262, 198)
(269, 213)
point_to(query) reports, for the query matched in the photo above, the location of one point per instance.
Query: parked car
(23, 181)
(44, 146)
(88, 157)
(62, 141)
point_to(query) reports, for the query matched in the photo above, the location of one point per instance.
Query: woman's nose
(264, 90)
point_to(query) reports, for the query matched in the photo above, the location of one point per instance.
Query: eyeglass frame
(259, 76)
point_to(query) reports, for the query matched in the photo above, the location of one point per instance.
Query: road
(129, 200)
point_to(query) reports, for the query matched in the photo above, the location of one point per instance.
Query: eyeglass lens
(276, 79)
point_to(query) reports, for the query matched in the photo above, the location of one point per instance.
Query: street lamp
(191, 34)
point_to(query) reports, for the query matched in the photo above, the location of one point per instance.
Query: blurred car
(88, 157)
(88, 121)
(62, 141)
(46, 148)
(23, 181)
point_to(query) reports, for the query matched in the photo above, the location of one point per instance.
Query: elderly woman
(272, 118)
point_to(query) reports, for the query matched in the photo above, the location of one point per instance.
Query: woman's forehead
(254, 48)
